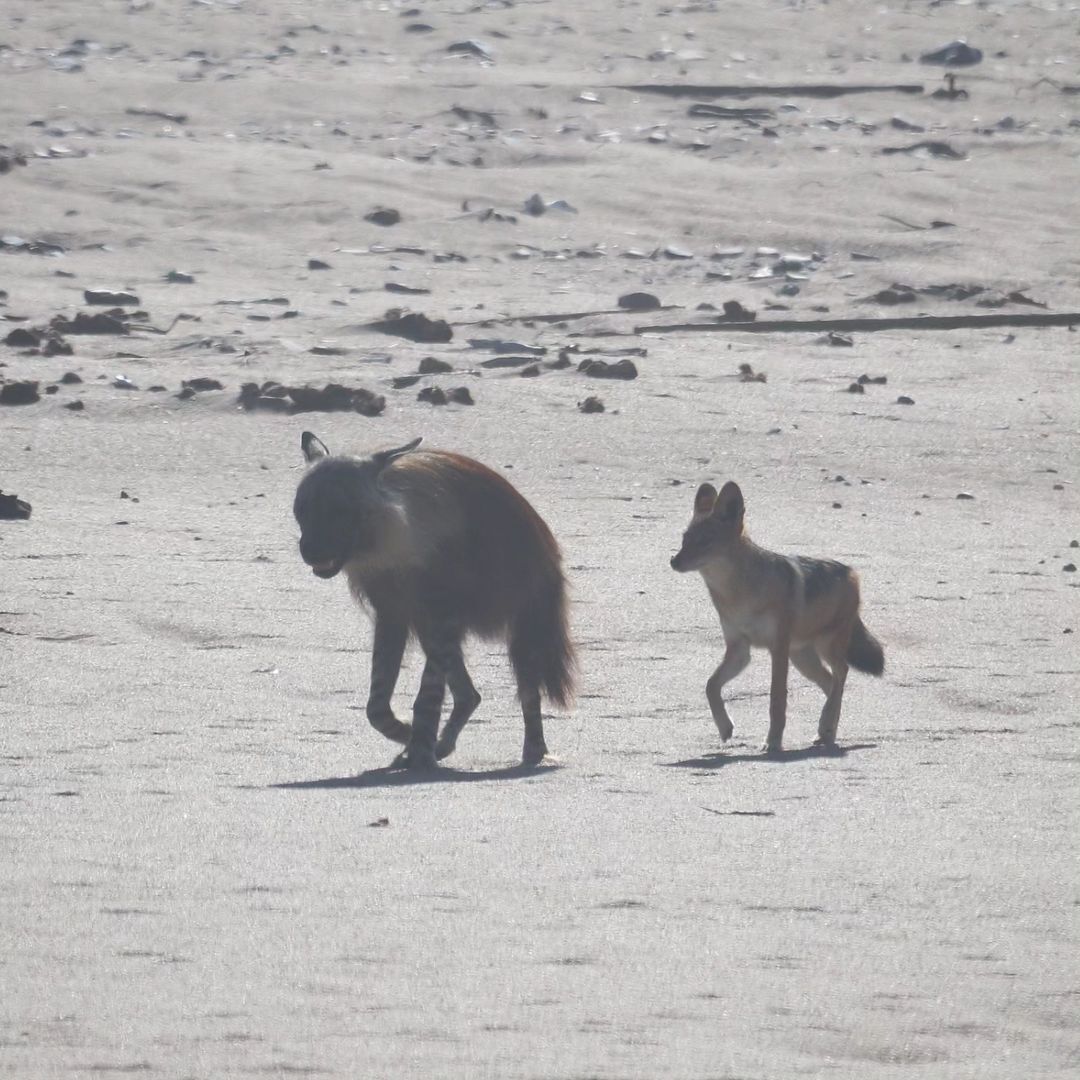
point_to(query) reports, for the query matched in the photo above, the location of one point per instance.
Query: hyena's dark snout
(324, 561)
(677, 561)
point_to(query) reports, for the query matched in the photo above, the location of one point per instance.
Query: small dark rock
(856, 388)
(432, 366)
(1069, 568)
(903, 399)
(735, 312)
(55, 345)
(400, 382)
(894, 294)
(12, 508)
(955, 54)
(19, 393)
(461, 396)
(601, 369)
(873, 380)
(384, 216)
(107, 298)
(639, 301)
(202, 383)
(530, 372)
(434, 394)
(178, 277)
(591, 404)
(75, 406)
(317, 264)
(23, 338)
(414, 327)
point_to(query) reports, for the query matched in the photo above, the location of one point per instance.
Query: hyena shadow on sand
(394, 776)
(721, 758)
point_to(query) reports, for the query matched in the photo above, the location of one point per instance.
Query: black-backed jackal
(802, 609)
(439, 546)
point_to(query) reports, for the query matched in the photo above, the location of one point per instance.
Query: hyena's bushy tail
(865, 652)
(540, 648)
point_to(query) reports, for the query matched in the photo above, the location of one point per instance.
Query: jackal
(439, 546)
(802, 609)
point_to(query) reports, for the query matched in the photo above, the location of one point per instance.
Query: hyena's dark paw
(445, 747)
(415, 759)
(828, 741)
(772, 746)
(534, 754)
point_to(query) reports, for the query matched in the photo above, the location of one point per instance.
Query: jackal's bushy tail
(865, 652)
(541, 651)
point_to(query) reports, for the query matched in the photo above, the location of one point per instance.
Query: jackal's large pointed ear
(704, 500)
(384, 457)
(314, 448)
(729, 503)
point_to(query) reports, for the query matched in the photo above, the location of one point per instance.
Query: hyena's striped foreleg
(466, 699)
(387, 650)
(427, 708)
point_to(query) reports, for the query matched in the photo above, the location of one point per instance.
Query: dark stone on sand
(530, 372)
(735, 312)
(108, 298)
(23, 338)
(591, 405)
(601, 369)
(202, 382)
(75, 406)
(903, 399)
(955, 54)
(400, 382)
(70, 378)
(12, 508)
(639, 301)
(414, 327)
(460, 395)
(873, 380)
(19, 393)
(432, 366)
(470, 48)
(317, 264)
(102, 322)
(434, 394)
(405, 290)
(384, 216)
(55, 345)
(178, 277)
(336, 398)
(893, 295)
(856, 388)
(185, 394)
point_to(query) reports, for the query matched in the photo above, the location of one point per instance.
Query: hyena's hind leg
(387, 650)
(466, 699)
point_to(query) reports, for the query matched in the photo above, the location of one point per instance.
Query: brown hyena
(438, 546)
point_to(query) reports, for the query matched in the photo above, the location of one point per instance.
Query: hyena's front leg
(736, 657)
(466, 700)
(427, 708)
(386, 653)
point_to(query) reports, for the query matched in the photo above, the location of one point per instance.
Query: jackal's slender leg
(736, 657)
(807, 661)
(466, 699)
(781, 655)
(830, 714)
(386, 653)
(535, 748)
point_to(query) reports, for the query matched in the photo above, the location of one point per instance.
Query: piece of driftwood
(816, 90)
(868, 325)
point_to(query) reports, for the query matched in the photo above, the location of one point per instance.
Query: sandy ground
(193, 883)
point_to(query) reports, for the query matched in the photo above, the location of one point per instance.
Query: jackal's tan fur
(800, 609)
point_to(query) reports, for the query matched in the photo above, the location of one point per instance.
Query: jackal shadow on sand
(390, 776)
(776, 757)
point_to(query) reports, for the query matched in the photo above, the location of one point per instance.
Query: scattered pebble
(856, 388)
(384, 216)
(954, 54)
(747, 374)
(108, 298)
(903, 399)
(12, 508)
(639, 301)
(178, 277)
(591, 405)
(20, 393)
(414, 327)
(433, 394)
(964, 495)
(432, 366)
(317, 264)
(601, 369)
(460, 395)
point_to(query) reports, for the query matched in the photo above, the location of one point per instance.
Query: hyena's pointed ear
(314, 448)
(384, 457)
(729, 503)
(704, 500)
